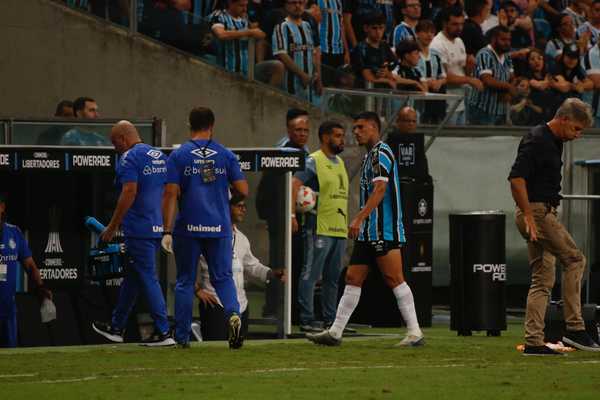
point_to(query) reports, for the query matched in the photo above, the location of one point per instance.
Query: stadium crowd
(513, 61)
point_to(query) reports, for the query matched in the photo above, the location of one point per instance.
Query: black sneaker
(540, 351)
(580, 340)
(235, 332)
(159, 340)
(323, 338)
(104, 329)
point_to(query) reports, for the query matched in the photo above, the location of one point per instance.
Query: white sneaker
(411, 341)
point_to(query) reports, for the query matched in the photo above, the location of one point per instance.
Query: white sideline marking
(18, 376)
(583, 362)
(251, 372)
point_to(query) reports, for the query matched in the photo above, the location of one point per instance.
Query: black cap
(571, 50)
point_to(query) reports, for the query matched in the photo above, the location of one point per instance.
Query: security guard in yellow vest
(326, 226)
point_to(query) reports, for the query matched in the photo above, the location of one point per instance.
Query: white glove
(48, 311)
(167, 243)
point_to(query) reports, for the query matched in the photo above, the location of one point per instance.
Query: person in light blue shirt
(140, 179)
(199, 175)
(84, 108)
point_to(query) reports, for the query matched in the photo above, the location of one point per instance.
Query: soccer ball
(305, 200)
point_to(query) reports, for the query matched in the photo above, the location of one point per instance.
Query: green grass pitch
(448, 367)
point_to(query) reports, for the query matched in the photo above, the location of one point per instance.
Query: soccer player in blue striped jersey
(405, 30)
(296, 45)
(334, 46)
(378, 235)
(494, 67)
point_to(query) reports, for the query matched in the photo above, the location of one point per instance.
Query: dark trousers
(213, 324)
(8, 331)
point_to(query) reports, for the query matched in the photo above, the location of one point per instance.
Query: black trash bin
(478, 272)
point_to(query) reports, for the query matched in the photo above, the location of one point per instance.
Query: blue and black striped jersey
(231, 54)
(501, 68)
(299, 42)
(385, 221)
(331, 26)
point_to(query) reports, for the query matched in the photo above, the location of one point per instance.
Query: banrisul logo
(204, 153)
(154, 154)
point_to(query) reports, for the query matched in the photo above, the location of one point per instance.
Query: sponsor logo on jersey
(12, 244)
(204, 153)
(156, 154)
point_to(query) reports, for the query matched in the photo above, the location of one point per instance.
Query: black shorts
(365, 253)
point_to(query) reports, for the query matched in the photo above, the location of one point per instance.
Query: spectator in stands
(84, 108)
(448, 44)
(577, 9)
(522, 110)
(407, 76)
(334, 46)
(405, 30)
(520, 31)
(591, 65)
(472, 33)
(372, 59)
(564, 34)
(343, 103)
(590, 30)
(432, 73)
(553, 8)
(539, 85)
(356, 12)
(442, 6)
(64, 109)
(568, 77)
(53, 135)
(494, 68)
(296, 45)
(233, 32)
(244, 266)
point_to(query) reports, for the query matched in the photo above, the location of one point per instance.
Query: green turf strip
(448, 367)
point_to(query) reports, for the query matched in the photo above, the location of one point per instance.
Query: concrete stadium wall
(53, 53)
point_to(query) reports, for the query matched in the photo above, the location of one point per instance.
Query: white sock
(348, 303)
(406, 304)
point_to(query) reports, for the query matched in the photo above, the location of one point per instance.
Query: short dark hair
(474, 7)
(497, 30)
(61, 105)
(294, 113)
(405, 47)
(509, 3)
(454, 11)
(79, 104)
(327, 128)
(201, 119)
(426, 25)
(374, 18)
(369, 116)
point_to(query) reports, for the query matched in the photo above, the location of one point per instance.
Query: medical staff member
(141, 175)
(13, 250)
(200, 173)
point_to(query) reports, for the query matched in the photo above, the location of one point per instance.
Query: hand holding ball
(305, 200)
